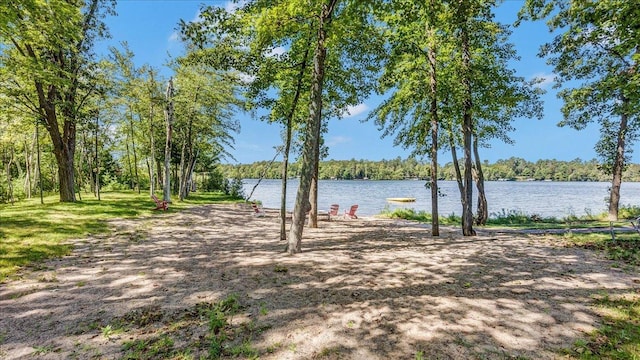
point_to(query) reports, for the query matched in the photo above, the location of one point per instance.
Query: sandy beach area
(365, 288)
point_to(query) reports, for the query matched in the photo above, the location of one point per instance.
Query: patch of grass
(33, 232)
(245, 350)
(109, 331)
(517, 219)
(619, 336)
(155, 348)
(328, 352)
(263, 309)
(280, 269)
(625, 248)
(420, 216)
(42, 350)
(351, 324)
(218, 321)
(273, 347)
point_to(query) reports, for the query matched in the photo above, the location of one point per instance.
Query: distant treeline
(398, 169)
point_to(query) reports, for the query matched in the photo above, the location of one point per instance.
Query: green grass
(32, 232)
(619, 335)
(515, 219)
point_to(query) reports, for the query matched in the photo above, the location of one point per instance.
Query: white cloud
(545, 79)
(352, 111)
(336, 140)
(174, 37)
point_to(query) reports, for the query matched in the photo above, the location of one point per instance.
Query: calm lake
(544, 198)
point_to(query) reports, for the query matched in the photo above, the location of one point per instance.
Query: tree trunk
(28, 159)
(283, 195)
(131, 183)
(618, 164)
(97, 159)
(313, 196)
(8, 172)
(64, 145)
(152, 150)
(39, 168)
(81, 159)
(467, 130)
(482, 214)
(312, 132)
(433, 87)
(287, 146)
(456, 165)
(133, 149)
(190, 181)
(182, 172)
(168, 113)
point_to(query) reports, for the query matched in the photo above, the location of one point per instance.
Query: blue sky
(149, 27)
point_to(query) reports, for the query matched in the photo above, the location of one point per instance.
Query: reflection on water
(543, 198)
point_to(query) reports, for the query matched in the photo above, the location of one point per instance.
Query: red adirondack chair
(333, 210)
(258, 210)
(352, 212)
(160, 204)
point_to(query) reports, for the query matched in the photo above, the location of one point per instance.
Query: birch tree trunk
(168, 114)
(133, 149)
(27, 163)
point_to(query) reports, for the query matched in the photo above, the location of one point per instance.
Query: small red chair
(160, 204)
(352, 212)
(333, 210)
(258, 210)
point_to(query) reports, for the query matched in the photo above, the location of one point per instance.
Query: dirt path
(362, 289)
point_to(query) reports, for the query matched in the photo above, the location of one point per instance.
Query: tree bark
(97, 159)
(312, 132)
(182, 172)
(168, 113)
(313, 194)
(152, 150)
(39, 168)
(28, 159)
(287, 146)
(126, 144)
(133, 149)
(467, 128)
(433, 87)
(618, 163)
(482, 214)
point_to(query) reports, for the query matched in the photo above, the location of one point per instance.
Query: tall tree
(169, 119)
(595, 56)
(280, 38)
(205, 102)
(411, 75)
(312, 129)
(47, 46)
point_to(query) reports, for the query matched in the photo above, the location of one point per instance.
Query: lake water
(557, 199)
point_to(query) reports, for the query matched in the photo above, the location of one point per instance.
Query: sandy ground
(361, 289)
